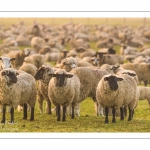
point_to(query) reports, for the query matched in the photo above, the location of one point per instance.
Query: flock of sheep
(27, 76)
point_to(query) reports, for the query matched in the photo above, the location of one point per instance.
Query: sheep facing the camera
(43, 78)
(64, 90)
(116, 92)
(17, 89)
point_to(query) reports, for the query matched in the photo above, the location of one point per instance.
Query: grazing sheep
(144, 93)
(17, 90)
(42, 75)
(117, 92)
(64, 90)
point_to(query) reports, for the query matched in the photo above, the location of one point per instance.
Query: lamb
(64, 90)
(42, 75)
(21, 89)
(117, 91)
(28, 66)
(144, 93)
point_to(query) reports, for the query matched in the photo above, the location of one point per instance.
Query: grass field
(88, 121)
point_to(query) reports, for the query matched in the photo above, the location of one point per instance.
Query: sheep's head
(112, 82)
(60, 77)
(6, 62)
(43, 72)
(68, 63)
(9, 75)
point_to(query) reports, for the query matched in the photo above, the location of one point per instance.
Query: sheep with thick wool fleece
(43, 78)
(17, 90)
(64, 90)
(117, 91)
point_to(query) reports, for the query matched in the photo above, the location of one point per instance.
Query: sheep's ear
(0, 58)
(3, 73)
(12, 59)
(132, 74)
(64, 63)
(119, 79)
(69, 75)
(106, 78)
(17, 73)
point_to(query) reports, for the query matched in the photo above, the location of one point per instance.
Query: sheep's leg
(40, 102)
(3, 114)
(72, 115)
(106, 115)
(113, 113)
(145, 83)
(64, 113)
(48, 107)
(32, 114)
(125, 110)
(58, 112)
(12, 115)
(121, 113)
(24, 111)
(130, 115)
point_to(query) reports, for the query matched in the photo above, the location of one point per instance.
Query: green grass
(87, 122)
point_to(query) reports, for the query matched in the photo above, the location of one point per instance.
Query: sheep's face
(9, 75)
(113, 82)
(6, 62)
(42, 72)
(39, 74)
(60, 79)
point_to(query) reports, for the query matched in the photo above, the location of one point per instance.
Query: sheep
(28, 66)
(141, 69)
(117, 91)
(144, 93)
(19, 55)
(94, 75)
(64, 90)
(17, 89)
(43, 79)
(38, 59)
(110, 59)
(5, 62)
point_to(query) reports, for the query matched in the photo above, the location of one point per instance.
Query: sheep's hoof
(113, 121)
(106, 122)
(58, 119)
(24, 118)
(31, 119)
(3, 121)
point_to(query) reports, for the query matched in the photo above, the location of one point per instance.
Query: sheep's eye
(3, 73)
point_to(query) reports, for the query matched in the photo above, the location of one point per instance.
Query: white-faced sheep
(64, 90)
(17, 90)
(42, 75)
(116, 92)
(19, 55)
